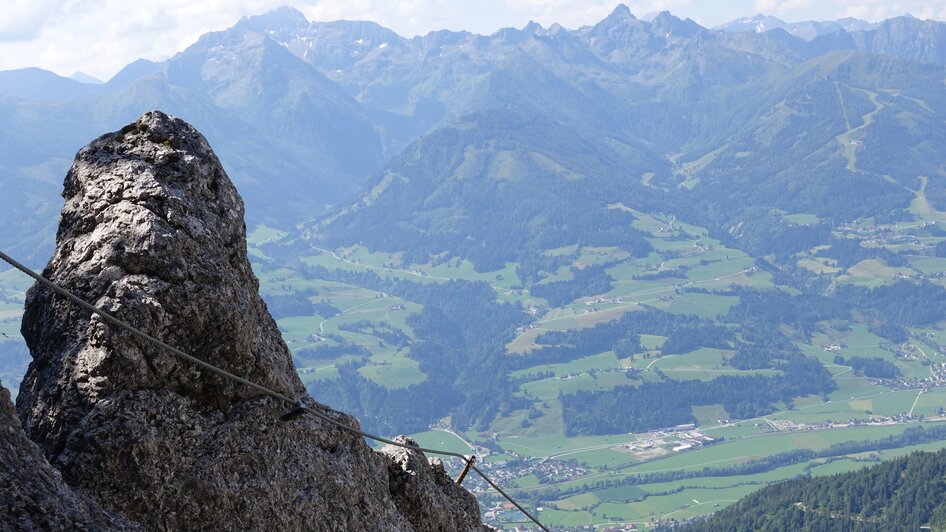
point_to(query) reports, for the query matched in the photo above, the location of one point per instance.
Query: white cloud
(24, 19)
(881, 9)
(100, 36)
(781, 7)
(567, 13)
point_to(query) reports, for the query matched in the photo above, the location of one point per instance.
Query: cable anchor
(300, 409)
(466, 468)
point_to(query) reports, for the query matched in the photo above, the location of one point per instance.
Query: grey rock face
(152, 230)
(422, 490)
(33, 496)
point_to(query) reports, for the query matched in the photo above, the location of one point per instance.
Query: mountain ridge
(807, 30)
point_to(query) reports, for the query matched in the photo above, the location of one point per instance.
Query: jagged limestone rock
(152, 231)
(33, 495)
(421, 489)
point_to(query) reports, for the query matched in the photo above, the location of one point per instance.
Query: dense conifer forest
(907, 493)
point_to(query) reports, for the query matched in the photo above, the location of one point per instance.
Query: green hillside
(907, 493)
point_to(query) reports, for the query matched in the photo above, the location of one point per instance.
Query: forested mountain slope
(908, 493)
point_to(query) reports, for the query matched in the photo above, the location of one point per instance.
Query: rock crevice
(152, 231)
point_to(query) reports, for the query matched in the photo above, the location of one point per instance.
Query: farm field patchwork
(620, 478)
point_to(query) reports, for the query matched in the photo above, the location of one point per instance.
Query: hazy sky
(98, 37)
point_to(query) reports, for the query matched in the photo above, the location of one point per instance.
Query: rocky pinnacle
(152, 231)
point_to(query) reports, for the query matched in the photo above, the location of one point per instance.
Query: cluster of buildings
(854, 228)
(784, 425)
(675, 439)
(910, 352)
(937, 376)
(569, 376)
(495, 513)
(602, 299)
(543, 468)
(883, 235)
(516, 292)
(936, 379)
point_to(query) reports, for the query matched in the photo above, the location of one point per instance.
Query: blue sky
(98, 37)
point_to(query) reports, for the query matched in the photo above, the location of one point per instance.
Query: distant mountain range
(307, 114)
(807, 30)
(82, 77)
(293, 140)
(728, 127)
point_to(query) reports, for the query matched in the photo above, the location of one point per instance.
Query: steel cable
(109, 318)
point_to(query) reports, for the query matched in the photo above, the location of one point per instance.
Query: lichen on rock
(152, 231)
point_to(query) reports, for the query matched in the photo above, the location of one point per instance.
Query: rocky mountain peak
(278, 23)
(668, 25)
(152, 231)
(621, 11)
(620, 17)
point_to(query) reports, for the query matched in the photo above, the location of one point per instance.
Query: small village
(545, 469)
(937, 378)
(549, 469)
(785, 425)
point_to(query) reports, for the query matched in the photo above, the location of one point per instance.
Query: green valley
(660, 470)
